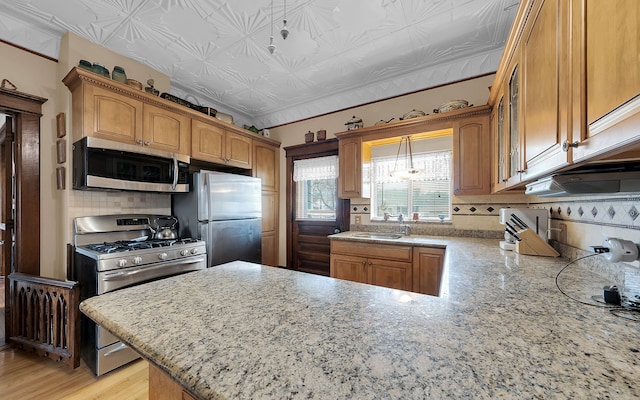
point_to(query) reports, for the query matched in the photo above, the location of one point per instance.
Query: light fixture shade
(271, 47)
(284, 31)
(409, 173)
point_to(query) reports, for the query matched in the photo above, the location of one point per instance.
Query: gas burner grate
(131, 245)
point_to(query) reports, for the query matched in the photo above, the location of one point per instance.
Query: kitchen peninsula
(500, 329)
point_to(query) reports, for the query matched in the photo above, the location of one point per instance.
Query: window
(316, 187)
(429, 195)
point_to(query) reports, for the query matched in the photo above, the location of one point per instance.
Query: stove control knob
(162, 256)
(194, 250)
(137, 260)
(122, 263)
(184, 252)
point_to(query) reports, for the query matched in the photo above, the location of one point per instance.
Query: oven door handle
(120, 347)
(120, 275)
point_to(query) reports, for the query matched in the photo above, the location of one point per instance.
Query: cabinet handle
(566, 145)
(139, 141)
(147, 143)
(520, 171)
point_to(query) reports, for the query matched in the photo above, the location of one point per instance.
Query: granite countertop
(501, 329)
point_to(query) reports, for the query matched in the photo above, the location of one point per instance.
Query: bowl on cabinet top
(452, 105)
(413, 114)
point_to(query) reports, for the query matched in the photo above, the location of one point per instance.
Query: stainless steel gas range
(117, 251)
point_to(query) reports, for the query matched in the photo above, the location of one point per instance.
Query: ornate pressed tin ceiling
(340, 53)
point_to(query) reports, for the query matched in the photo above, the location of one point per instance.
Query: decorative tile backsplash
(618, 211)
(86, 203)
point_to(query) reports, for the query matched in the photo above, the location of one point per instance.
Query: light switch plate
(358, 219)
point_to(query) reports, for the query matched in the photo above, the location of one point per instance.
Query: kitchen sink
(378, 235)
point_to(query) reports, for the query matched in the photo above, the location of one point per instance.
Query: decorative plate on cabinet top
(452, 105)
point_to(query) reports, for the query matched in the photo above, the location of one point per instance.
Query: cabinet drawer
(382, 251)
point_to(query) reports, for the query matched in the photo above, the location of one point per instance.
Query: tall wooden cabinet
(266, 166)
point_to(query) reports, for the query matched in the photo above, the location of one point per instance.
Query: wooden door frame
(26, 111)
(300, 152)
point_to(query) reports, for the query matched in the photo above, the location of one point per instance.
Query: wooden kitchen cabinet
(215, 144)
(266, 166)
(207, 142)
(607, 83)
(166, 130)
(238, 150)
(391, 274)
(270, 228)
(349, 268)
(109, 110)
(472, 155)
(350, 167)
(107, 115)
(545, 96)
(471, 149)
(579, 94)
(427, 270)
(396, 266)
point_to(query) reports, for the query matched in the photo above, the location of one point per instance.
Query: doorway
(20, 115)
(314, 210)
(6, 217)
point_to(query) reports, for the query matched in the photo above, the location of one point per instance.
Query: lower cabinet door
(349, 268)
(427, 272)
(391, 274)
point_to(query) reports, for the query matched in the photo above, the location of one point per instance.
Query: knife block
(532, 244)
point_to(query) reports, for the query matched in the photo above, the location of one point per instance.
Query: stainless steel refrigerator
(224, 210)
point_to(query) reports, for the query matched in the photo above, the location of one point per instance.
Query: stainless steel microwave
(100, 164)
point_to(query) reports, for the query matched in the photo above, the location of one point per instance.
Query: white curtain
(315, 168)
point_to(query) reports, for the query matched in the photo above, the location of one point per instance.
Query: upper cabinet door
(265, 165)
(610, 70)
(166, 130)
(545, 50)
(472, 156)
(238, 150)
(111, 116)
(208, 142)
(350, 167)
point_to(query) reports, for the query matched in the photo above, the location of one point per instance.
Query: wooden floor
(24, 376)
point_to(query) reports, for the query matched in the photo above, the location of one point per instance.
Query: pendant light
(285, 31)
(408, 173)
(272, 46)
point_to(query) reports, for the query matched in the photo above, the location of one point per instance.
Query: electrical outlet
(358, 219)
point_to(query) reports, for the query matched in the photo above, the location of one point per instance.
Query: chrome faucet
(404, 229)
